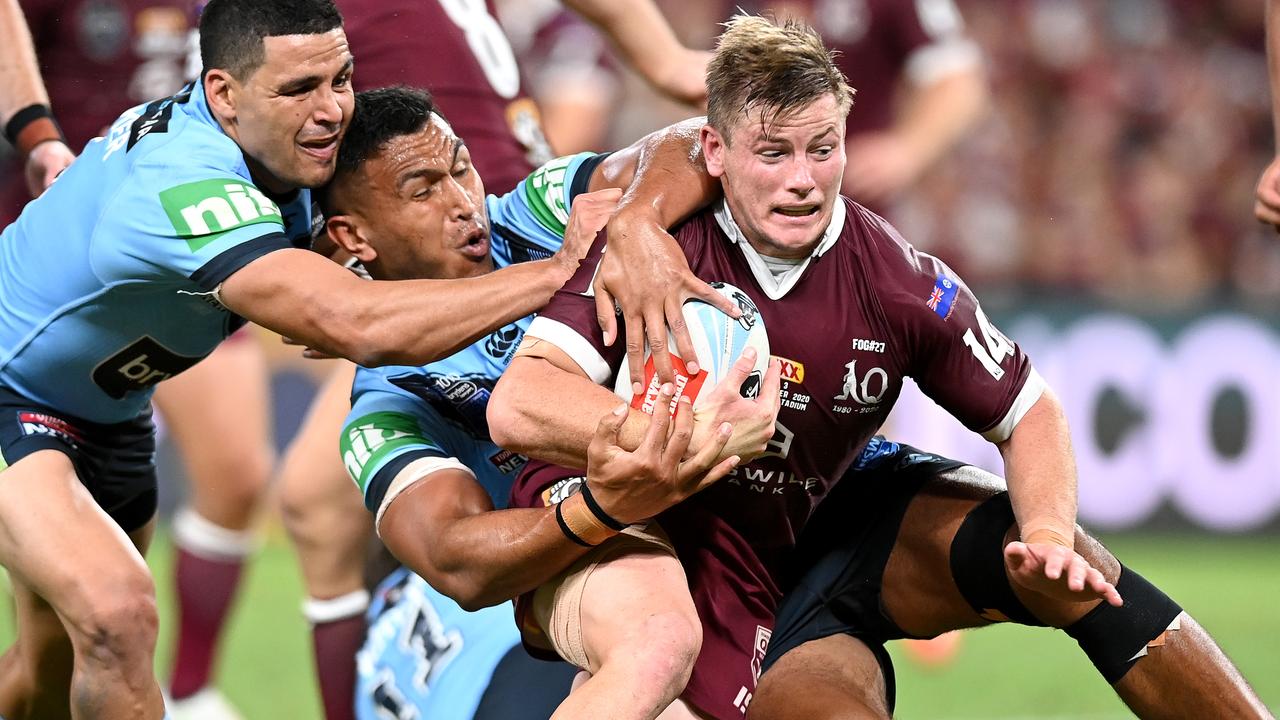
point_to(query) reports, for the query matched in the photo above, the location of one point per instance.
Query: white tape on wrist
(412, 473)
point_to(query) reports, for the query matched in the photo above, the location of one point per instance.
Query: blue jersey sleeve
(529, 222)
(384, 432)
(201, 218)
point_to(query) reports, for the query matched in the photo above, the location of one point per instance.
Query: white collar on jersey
(776, 286)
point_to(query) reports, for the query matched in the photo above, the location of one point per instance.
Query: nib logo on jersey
(139, 367)
(202, 211)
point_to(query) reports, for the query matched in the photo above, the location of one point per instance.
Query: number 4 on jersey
(994, 348)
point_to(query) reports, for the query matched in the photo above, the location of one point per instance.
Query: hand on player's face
(291, 111)
(752, 419)
(645, 274)
(635, 486)
(782, 178)
(1058, 572)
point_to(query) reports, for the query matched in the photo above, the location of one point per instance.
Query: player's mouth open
(476, 244)
(320, 148)
(796, 211)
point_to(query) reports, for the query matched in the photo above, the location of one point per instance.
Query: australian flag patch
(943, 296)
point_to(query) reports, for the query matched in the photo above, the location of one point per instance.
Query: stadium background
(1102, 211)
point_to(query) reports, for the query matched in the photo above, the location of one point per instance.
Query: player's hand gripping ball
(718, 340)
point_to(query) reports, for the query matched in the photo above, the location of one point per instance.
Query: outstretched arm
(24, 105)
(1041, 472)
(648, 44)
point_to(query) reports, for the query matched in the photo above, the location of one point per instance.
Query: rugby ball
(718, 340)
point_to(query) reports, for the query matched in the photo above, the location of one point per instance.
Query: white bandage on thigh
(318, 611)
(199, 536)
(412, 473)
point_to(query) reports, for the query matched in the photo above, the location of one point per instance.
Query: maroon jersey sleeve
(946, 342)
(569, 322)
(930, 38)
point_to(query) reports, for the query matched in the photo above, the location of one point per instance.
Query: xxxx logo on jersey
(792, 370)
(202, 211)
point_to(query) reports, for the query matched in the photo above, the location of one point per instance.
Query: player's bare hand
(635, 486)
(684, 77)
(752, 419)
(1266, 206)
(646, 276)
(308, 352)
(879, 166)
(1058, 572)
(588, 216)
(44, 162)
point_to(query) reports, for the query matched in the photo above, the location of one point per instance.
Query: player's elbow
(506, 413)
(465, 588)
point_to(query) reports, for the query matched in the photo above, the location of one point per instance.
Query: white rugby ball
(718, 341)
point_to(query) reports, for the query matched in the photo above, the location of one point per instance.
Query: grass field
(1230, 584)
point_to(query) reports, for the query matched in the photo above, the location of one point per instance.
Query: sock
(337, 632)
(207, 573)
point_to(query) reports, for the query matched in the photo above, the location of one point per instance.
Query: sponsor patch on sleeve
(370, 439)
(202, 211)
(544, 193)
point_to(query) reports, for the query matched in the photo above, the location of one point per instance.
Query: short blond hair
(759, 63)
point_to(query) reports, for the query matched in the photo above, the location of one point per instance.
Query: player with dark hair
(903, 543)
(407, 203)
(475, 81)
(190, 216)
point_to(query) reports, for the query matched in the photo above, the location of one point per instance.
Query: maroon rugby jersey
(864, 312)
(457, 50)
(98, 58)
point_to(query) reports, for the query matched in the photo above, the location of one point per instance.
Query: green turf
(1230, 584)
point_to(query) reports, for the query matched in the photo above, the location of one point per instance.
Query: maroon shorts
(735, 595)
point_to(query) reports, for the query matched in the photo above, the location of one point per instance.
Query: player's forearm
(1041, 472)
(541, 411)
(640, 33)
(664, 176)
(937, 115)
(421, 321)
(495, 556)
(406, 322)
(20, 84)
(1273, 63)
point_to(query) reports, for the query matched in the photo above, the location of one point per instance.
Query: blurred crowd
(1117, 158)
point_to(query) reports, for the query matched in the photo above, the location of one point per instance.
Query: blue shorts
(115, 462)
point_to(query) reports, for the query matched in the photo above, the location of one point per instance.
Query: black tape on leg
(977, 563)
(1115, 638)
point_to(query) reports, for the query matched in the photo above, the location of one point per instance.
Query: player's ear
(220, 89)
(344, 231)
(713, 149)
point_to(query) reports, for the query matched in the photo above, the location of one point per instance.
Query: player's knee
(243, 476)
(118, 628)
(977, 563)
(1117, 638)
(666, 646)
